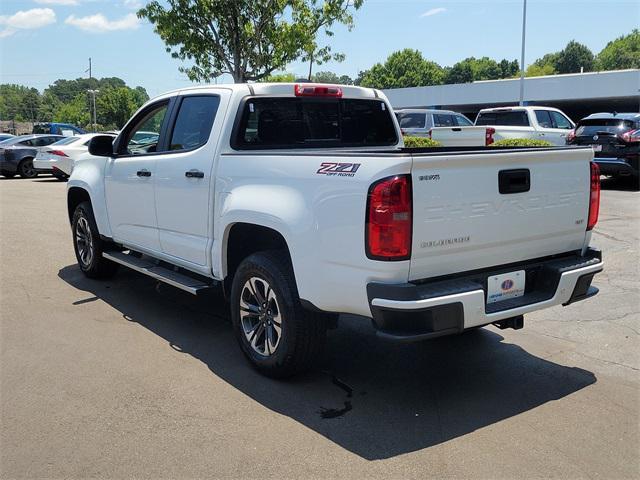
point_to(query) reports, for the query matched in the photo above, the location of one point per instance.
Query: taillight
(594, 197)
(307, 90)
(488, 136)
(59, 153)
(571, 136)
(632, 136)
(389, 219)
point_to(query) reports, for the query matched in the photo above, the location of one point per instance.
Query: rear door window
(443, 120)
(313, 123)
(507, 118)
(194, 122)
(412, 120)
(544, 119)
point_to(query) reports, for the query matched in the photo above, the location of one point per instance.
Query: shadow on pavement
(625, 184)
(374, 398)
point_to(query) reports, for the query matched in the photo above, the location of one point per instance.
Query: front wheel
(26, 168)
(88, 245)
(275, 333)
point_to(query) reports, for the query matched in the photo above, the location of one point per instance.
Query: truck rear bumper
(421, 310)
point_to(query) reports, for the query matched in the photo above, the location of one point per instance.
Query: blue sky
(43, 40)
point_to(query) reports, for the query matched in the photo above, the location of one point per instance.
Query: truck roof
(288, 89)
(518, 108)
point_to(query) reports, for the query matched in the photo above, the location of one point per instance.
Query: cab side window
(143, 136)
(194, 121)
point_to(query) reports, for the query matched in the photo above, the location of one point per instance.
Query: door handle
(143, 173)
(517, 180)
(541, 134)
(194, 173)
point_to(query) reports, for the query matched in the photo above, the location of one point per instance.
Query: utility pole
(524, 28)
(93, 93)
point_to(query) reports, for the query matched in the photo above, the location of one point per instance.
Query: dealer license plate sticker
(505, 286)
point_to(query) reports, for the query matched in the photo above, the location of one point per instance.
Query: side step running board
(166, 275)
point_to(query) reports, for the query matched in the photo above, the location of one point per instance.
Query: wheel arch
(75, 196)
(243, 239)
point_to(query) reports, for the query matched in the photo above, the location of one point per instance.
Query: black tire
(7, 174)
(88, 245)
(302, 333)
(25, 168)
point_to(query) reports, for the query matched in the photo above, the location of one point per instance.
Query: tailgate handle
(514, 181)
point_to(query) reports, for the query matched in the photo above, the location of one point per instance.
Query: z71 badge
(339, 169)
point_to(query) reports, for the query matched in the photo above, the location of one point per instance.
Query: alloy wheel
(260, 316)
(84, 241)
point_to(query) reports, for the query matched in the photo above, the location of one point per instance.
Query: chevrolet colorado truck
(493, 124)
(301, 203)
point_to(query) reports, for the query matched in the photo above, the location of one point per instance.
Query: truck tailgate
(459, 136)
(462, 221)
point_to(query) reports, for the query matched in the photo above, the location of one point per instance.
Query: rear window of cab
(288, 123)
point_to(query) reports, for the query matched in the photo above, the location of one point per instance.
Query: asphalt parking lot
(131, 378)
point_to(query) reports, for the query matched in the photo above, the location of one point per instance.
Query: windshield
(411, 120)
(595, 126)
(314, 122)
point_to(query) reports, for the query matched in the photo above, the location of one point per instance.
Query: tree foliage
(404, 68)
(248, 39)
(621, 53)
(472, 69)
(330, 77)
(575, 57)
(68, 101)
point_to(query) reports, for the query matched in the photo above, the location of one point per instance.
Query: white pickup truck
(300, 201)
(493, 124)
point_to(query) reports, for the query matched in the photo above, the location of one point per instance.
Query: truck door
(130, 179)
(552, 126)
(184, 184)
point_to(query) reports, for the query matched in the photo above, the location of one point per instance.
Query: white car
(60, 157)
(493, 124)
(300, 202)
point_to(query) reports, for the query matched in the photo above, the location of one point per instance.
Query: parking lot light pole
(524, 28)
(93, 93)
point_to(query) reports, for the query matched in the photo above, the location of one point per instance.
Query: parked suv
(418, 121)
(17, 154)
(615, 138)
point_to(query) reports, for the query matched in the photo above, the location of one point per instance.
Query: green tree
(115, 105)
(509, 69)
(280, 78)
(534, 70)
(621, 53)
(248, 39)
(404, 68)
(75, 111)
(472, 69)
(574, 57)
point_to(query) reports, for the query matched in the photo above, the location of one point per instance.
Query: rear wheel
(26, 168)
(89, 246)
(275, 333)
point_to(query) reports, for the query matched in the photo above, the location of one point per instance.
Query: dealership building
(577, 94)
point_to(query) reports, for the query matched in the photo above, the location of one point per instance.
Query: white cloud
(98, 23)
(26, 20)
(57, 2)
(433, 11)
(132, 4)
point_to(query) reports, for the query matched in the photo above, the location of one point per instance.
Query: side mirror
(101, 146)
